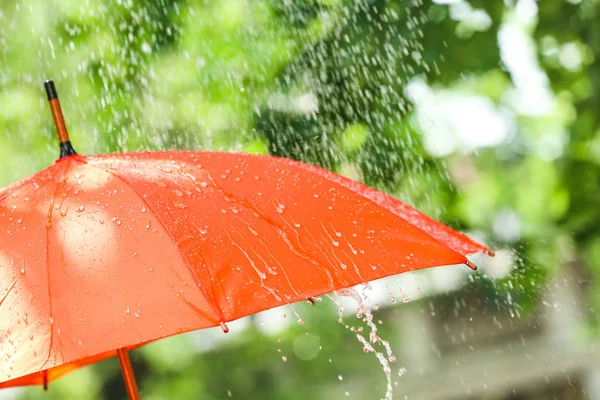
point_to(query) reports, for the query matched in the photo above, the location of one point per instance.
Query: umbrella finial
(66, 149)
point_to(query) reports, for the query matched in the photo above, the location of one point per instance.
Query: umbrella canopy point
(471, 265)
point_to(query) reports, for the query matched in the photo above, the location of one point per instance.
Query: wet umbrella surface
(101, 254)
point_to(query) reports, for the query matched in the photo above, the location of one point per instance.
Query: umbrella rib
(10, 288)
(170, 235)
(48, 226)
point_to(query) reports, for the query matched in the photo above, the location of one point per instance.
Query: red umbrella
(101, 254)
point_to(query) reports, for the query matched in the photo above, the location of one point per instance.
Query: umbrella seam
(187, 263)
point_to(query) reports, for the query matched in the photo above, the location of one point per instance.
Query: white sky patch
(526, 11)
(305, 103)
(507, 225)
(532, 95)
(476, 20)
(499, 266)
(571, 57)
(447, 1)
(208, 339)
(11, 393)
(454, 121)
(275, 321)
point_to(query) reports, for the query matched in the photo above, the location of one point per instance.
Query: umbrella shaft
(128, 375)
(59, 121)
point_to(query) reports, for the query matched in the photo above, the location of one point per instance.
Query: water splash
(365, 315)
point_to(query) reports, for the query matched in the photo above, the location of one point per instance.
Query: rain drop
(179, 205)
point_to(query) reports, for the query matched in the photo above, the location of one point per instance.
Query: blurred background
(483, 114)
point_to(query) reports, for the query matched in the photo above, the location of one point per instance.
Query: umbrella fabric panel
(265, 233)
(451, 238)
(101, 274)
(122, 249)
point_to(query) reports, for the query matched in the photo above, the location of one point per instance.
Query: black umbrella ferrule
(51, 90)
(66, 149)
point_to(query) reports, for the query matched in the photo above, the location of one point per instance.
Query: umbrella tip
(50, 90)
(471, 265)
(45, 377)
(224, 327)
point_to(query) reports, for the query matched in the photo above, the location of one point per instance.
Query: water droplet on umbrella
(179, 205)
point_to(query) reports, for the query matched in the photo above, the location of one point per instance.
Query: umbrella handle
(128, 375)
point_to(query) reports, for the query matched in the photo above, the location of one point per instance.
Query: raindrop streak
(366, 316)
(137, 312)
(300, 320)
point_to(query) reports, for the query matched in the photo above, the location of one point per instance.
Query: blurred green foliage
(325, 82)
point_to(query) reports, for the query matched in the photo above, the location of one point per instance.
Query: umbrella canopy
(101, 254)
